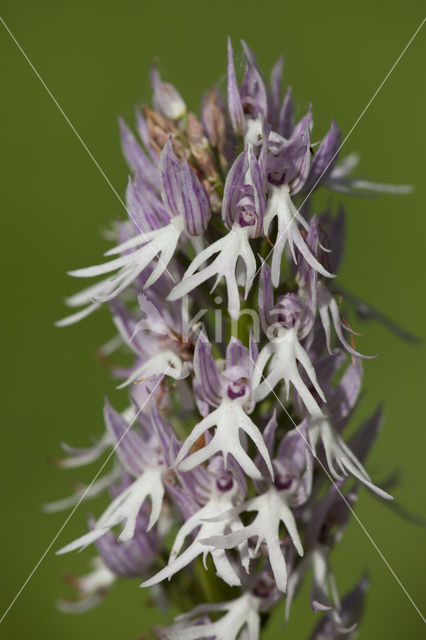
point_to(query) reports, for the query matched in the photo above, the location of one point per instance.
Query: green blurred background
(95, 56)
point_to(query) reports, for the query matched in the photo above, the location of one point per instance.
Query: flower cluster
(231, 478)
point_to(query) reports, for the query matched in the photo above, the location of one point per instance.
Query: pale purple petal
(266, 297)
(196, 201)
(129, 447)
(232, 189)
(166, 436)
(144, 207)
(257, 179)
(235, 106)
(206, 372)
(170, 175)
(135, 156)
(142, 129)
(253, 91)
(131, 558)
(237, 354)
(286, 117)
(275, 96)
(325, 158)
(363, 439)
(290, 165)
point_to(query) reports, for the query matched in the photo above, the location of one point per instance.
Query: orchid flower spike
(229, 464)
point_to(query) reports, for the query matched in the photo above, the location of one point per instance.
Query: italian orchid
(229, 472)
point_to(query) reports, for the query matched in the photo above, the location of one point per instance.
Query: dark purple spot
(235, 390)
(283, 482)
(224, 483)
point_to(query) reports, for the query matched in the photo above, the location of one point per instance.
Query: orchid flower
(241, 620)
(148, 470)
(339, 180)
(317, 294)
(351, 609)
(184, 201)
(281, 207)
(272, 509)
(328, 520)
(341, 461)
(91, 588)
(324, 595)
(220, 500)
(292, 486)
(242, 211)
(229, 418)
(284, 350)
